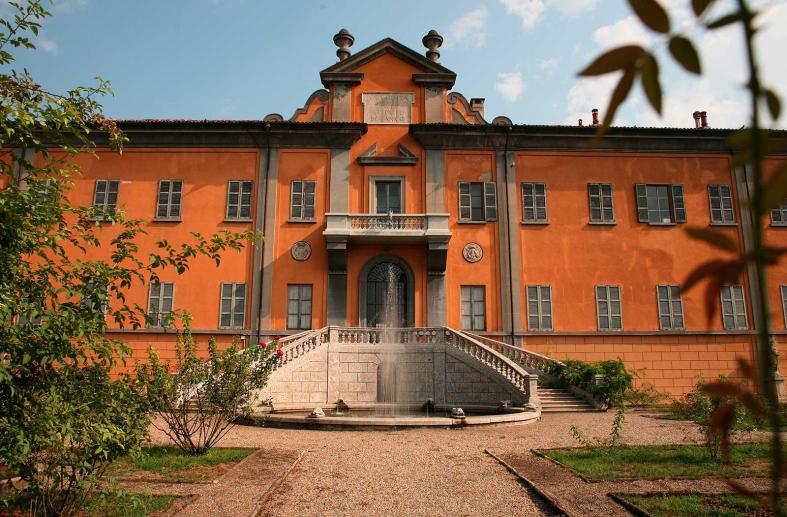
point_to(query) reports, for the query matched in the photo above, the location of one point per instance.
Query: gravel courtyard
(427, 471)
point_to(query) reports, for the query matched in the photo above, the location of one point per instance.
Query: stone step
(590, 409)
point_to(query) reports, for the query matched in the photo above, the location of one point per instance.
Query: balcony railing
(387, 227)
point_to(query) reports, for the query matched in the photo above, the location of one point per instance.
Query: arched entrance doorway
(386, 293)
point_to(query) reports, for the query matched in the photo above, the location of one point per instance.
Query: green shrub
(609, 390)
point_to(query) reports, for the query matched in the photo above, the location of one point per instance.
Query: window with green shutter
(477, 201)
(660, 204)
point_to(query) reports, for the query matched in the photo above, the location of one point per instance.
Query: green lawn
(171, 464)
(655, 461)
(690, 505)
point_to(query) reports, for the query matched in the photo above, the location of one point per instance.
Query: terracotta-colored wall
(471, 166)
(299, 164)
(205, 173)
(574, 256)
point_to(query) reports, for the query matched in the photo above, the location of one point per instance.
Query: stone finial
(432, 42)
(344, 40)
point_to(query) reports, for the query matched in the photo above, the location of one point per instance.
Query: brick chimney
(595, 117)
(696, 119)
(477, 104)
(580, 122)
(704, 119)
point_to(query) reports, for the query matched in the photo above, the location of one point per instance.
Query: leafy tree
(63, 417)
(198, 399)
(750, 146)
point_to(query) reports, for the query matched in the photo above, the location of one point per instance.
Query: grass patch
(656, 461)
(172, 464)
(690, 505)
(103, 504)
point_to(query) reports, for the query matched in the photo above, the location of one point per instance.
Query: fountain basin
(381, 417)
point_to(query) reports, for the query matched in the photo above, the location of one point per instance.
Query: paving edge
(275, 485)
(628, 505)
(549, 498)
(541, 454)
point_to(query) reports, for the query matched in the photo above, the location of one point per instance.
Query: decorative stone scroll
(387, 108)
(472, 252)
(301, 251)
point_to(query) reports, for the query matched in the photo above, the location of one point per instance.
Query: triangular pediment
(393, 47)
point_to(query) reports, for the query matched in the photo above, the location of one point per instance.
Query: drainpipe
(264, 214)
(508, 233)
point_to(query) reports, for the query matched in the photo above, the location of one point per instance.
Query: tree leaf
(618, 96)
(699, 6)
(682, 49)
(652, 14)
(775, 191)
(774, 104)
(725, 20)
(615, 59)
(650, 81)
(714, 238)
(705, 269)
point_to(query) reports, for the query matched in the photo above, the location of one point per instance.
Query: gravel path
(427, 471)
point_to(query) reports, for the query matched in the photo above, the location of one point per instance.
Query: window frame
(671, 314)
(472, 289)
(535, 207)
(302, 219)
(609, 315)
(489, 211)
(602, 221)
(169, 217)
(732, 288)
(539, 303)
(105, 206)
(783, 291)
(233, 300)
(678, 214)
(374, 179)
(228, 217)
(722, 222)
(158, 322)
(300, 300)
(782, 211)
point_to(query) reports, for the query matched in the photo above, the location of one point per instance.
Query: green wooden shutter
(642, 202)
(490, 201)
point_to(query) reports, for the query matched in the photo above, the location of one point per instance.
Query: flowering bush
(200, 400)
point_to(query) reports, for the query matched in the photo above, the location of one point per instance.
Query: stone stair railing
(542, 365)
(298, 345)
(375, 336)
(517, 376)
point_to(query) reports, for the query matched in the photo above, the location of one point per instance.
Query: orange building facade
(538, 235)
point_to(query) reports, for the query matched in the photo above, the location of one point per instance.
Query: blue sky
(243, 59)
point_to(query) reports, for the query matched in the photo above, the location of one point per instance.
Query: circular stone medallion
(301, 251)
(472, 252)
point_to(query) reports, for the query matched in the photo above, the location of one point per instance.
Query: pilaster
(263, 287)
(509, 251)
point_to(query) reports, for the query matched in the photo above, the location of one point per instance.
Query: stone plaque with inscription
(387, 108)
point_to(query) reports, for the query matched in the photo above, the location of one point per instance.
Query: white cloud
(69, 5)
(469, 29)
(529, 11)
(625, 31)
(47, 45)
(510, 85)
(548, 65)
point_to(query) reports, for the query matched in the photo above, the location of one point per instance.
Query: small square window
(608, 307)
(170, 194)
(733, 308)
(779, 215)
(105, 198)
(473, 307)
(302, 198)
(233, 305)
(660, 204)
(600, 203)
(477, 201)
(534, 203)
(539, 307)
(670, 307)
(299, 306)
(721, 207)
(160, 304)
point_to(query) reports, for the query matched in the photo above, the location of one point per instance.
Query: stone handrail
(375, 336)
(297, 345)
(509, 369)
(387, 221)
(530, 360)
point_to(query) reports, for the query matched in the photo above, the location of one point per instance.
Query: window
(477, 201)
(733, 308)
(160, 304)
(233, 306)
(388, 197)
(534, 203)
(105, 198)
(94, 299)
(610, 316)
(670, 307)
(302, 200)
(660, 204)
(779, 215)
(473, 307)
(539, 307)
(33, 314)
(170, 193)
(239, 200)
(720, 199)
(600, 203)
(783, 289)
(299, 306)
